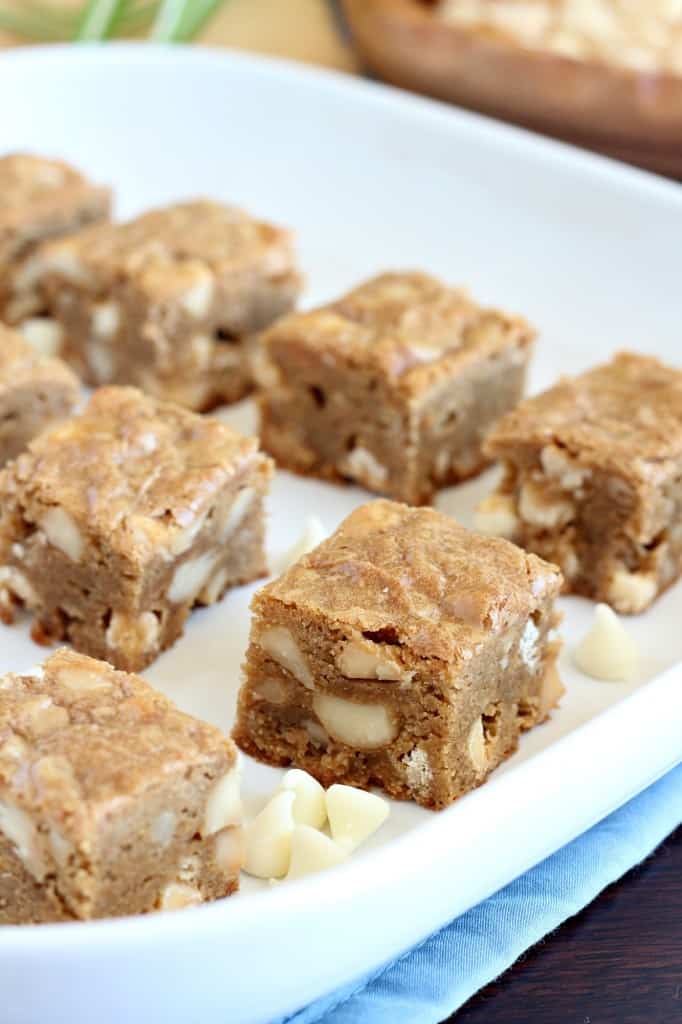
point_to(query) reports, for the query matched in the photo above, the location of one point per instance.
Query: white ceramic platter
(372, 179)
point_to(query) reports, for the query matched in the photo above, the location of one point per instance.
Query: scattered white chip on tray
(309, 806)
(267, 839)
(607, 652)
(354, 814)
(313, 851)
(313, 534)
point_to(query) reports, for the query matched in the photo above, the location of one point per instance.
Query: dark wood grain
(618, 962)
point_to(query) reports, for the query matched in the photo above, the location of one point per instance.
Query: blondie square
(39, 199)
(35, 392)
(593, 480)
(168, 302)
(117, 522)
(404, 652)
(112, 801)
(394, 386)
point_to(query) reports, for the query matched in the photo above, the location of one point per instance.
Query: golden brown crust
(80, 733)
(624, 417)
(407, 326)
(132, 471)
(21, 365)
(163, 252)
(440, 588)
(35, 190)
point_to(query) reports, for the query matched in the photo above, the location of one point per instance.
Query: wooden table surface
(620, 961)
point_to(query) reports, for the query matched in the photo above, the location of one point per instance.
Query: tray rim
(416, 848)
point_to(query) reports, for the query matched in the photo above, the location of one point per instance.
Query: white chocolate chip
(43, 334)
(224, 804)
(631, 592)
(363, 726)
(202, 350)
(14, 581)
(607, 652)
(106, 319)
(198, 298)
(133, 632)
(263, 370)
(190, 576)
(496, 516)
(27, 276)
(214, 588)
(360, 659)
(362, 466)
(229, 849)
(539, 506)
(476, 746)
(14, 747)
(82, 680)
(418, 772)
(189, 868)
(272, 690)
(62, 532)
(313, 534)
(309, 806)
(443, 462)
(162, 829)
(318, 736)
(60, 847)
(570, 563)
(181, 539)
(235, 513)
(312, 852)
(40, 716)
(267, 839)
(279, 643)
(16, 825)
(528, 646)
(178, 895)
(560, 466)
(62, 260)
(354, 815)
(551, 691)
(101, 362)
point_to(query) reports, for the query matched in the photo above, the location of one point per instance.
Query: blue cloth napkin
(434, 979)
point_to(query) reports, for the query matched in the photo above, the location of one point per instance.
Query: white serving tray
(372, 179)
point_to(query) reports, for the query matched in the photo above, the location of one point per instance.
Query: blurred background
(605, 74)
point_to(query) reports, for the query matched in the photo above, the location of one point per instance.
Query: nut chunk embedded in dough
(405, 652)
(35, 392)
(40, 199)
(393, 386)
(593, 480)
(169, 302)
(116, 523)
(112, 801)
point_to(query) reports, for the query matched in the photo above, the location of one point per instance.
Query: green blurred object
(175, 21)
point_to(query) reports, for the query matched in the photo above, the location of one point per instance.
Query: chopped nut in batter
(593, 480)
(168, 302)
(393, 386)
(403, 651)
(112, 801)
(114, 524)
